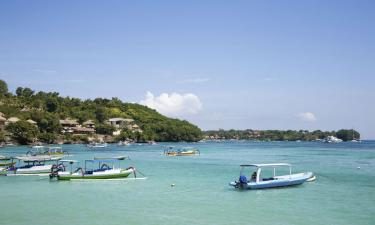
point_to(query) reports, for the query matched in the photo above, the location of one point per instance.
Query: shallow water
(342, 193)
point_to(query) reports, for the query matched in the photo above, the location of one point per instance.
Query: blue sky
(219, 64)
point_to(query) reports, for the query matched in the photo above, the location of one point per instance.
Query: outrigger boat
(39, 150)
(257, 181)
(34, 165)
(106, 170)
(185, 151)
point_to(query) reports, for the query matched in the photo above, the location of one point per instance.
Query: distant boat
(39, 150)
(97, 145)
(184, 151)
(123, 143)
(257, 181)
(332, 139)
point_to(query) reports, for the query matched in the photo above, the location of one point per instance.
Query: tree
(24, 92)
(347, 135)
(2, 136)
(100, 114)
(48, 138)
(52, 104)
(105, 129)
(3, 87)
(23, 132)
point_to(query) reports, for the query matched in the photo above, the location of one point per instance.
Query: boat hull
(110, 174)
(280, 181)
(34, 170)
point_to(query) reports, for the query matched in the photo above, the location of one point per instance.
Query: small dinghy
(258, 181)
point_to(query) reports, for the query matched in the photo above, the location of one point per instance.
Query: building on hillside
(119, 122)
(82, 130)
(32, 122)
(12, 120)
(89, 124)
(68, 124)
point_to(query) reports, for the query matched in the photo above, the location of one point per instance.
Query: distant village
(72, 127)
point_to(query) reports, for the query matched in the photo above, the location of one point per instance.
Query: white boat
(107, 169)
(34, 169)
(257, 181)
(123, 143)
(40, 150)
(97, 145)
(332, 139)
(34, 165)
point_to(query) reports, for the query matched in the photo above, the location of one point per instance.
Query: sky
(218, 64)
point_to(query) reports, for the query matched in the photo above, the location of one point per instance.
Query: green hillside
(48, 108)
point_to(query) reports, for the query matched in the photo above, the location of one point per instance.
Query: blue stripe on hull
(281, 183)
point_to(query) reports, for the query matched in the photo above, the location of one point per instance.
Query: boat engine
(55, 170)
(242, 181)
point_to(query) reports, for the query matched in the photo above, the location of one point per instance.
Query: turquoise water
(342, 193)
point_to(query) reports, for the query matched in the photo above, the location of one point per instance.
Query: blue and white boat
(257, 179)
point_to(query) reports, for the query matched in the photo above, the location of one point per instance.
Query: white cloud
(174, 104)
(307, 116)
(195, 80)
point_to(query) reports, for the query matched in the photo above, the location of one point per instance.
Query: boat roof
(38, 146)
(37, 158)
(122, 157)
(266, 165)
(106, 159)
(68, 160)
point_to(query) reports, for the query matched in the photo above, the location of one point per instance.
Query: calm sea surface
(344, 192)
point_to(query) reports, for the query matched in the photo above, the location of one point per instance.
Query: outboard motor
(242, 181)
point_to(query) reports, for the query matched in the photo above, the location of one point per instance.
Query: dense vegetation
(279, 135)
(47, 108)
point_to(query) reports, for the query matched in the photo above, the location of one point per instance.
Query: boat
(123, 143)
(53, 150)
(34, 165)
(258, 181)
(4, 161)
(7, 164)
(97, 145)
(3, 171)
(332, 139)
(184, 151)
(107, 168)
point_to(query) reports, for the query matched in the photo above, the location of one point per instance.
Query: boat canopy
(266, 165)
(106, 160)
(111, 158)
(68, 161)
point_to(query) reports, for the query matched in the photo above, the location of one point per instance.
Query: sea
(194, 190)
